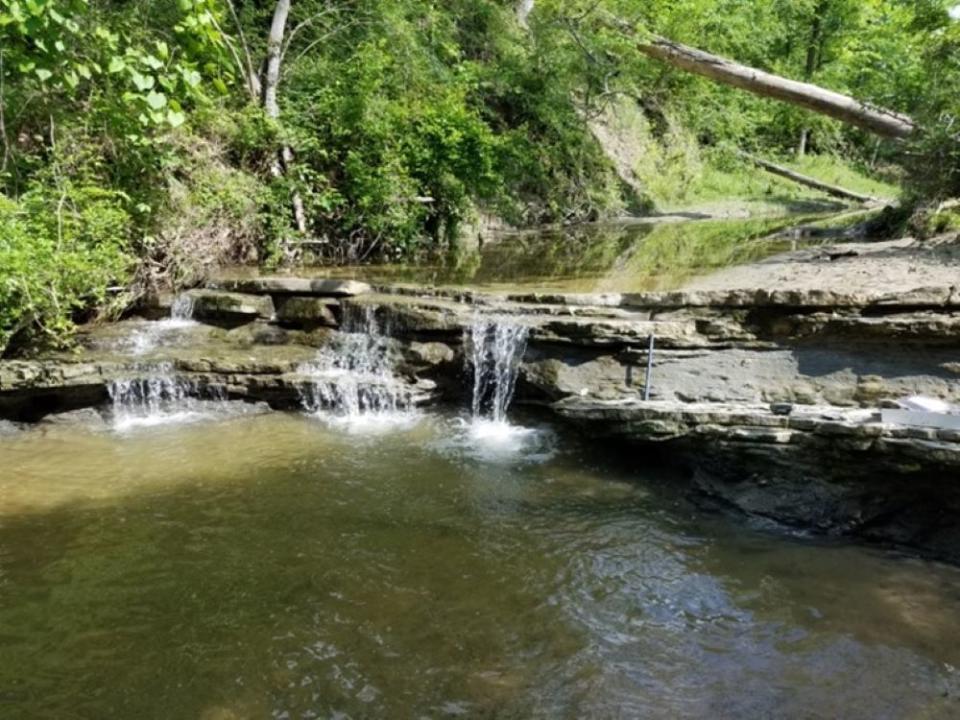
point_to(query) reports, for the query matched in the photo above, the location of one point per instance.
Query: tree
(269, 84)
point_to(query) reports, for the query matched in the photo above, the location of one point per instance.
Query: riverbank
(855, 267)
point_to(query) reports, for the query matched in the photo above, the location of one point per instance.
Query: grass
(837, 171)
(746, 190)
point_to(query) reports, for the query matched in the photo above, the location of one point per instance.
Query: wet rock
(611, 332)
(217, 305)
(89, 418)
(826, 468)
(324, 287)
(414, 318)
(604, 300)
(258, 333)
(306, 311)
(549, 378)
(429, 354)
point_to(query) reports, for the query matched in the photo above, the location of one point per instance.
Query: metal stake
(646, 382)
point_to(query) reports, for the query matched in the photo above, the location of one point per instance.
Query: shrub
(62, 249)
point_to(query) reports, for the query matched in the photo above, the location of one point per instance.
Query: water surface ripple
(272, 566)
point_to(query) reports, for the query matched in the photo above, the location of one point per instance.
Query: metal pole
(646, 382)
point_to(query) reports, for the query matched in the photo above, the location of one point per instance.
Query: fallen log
(813, 97)
(834, 190)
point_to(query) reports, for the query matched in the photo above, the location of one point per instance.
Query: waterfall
(182, 308)
(155, 333)
(495, 349)
(158, 397)
(354, 376)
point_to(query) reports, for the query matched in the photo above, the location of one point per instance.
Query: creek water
(627, 256)
(273, 566)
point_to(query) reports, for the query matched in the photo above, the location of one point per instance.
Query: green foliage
(132, 149)
(406, 120)
(62, 248)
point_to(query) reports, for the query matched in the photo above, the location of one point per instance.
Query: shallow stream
(283, 566)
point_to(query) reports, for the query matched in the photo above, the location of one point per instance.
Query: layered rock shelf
(772, 399)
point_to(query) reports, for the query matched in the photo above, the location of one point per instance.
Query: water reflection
(272, 566)
(610, 257)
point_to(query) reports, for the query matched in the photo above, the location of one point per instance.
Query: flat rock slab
(307, 310)
(934, 297)
(746, 422)
(324, 287)
(219, 304)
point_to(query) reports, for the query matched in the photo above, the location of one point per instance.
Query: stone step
(282, 285)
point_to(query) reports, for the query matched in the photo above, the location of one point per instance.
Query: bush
(62, 249)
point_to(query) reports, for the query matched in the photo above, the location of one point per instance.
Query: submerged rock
(89, 418)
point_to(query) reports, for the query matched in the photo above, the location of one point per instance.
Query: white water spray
(158, 397)
(495, 350)
(353, 378)
(182, 308)
(156, 333)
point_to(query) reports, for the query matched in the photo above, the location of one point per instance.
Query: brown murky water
(276, 567)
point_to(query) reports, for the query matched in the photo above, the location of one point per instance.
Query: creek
(176, 553)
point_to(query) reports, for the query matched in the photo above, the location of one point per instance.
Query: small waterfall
(156, 333)
(182, 308)
(158, 397)
(495, 350)
(354, 376)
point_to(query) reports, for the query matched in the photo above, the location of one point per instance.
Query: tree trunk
(814, 53)
(815, 98)
(810, 182)
(524, 8)
(269, 85)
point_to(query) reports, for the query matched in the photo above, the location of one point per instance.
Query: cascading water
(156, 394)
(182, 308)
(159, 396)
(353, 377)
(155, 333)
(495, 350)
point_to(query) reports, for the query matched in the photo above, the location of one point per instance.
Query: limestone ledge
(662, 421)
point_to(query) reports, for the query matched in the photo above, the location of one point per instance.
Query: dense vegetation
(136, 151)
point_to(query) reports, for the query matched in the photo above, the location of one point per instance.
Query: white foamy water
(496, 441)
(495, 349)
(157, 333)
(159, 397)
(352, 383)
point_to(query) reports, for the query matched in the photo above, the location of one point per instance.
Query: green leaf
(152, 62)
(156, 100)
(143, 82)
(163, 49)
(116, 65)
(43, 74)
(175, 119)
(191, 77)
(83, 71)
(72, 79)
